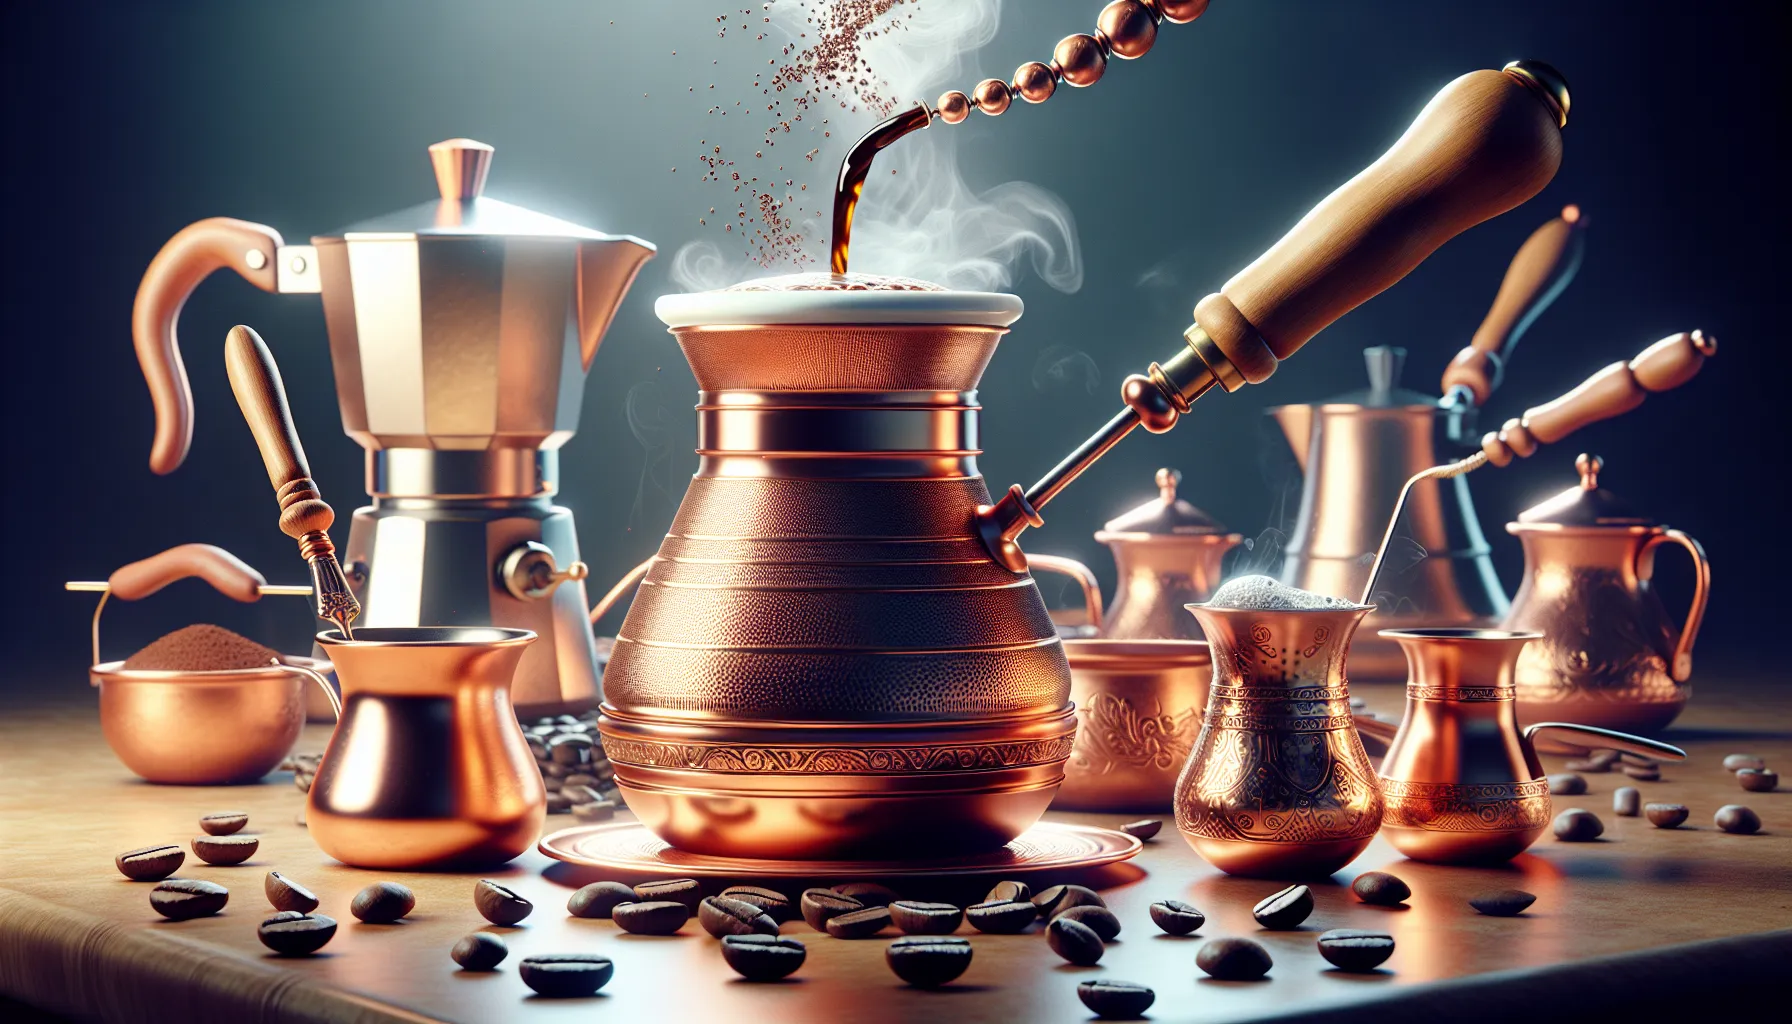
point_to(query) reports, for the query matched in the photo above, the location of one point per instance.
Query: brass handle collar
(528, 571)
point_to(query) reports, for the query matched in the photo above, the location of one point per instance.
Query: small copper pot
(1138, 709)
(202, 728)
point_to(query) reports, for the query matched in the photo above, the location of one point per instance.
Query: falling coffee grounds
(201, 648)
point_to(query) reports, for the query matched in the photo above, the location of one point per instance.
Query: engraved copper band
(1461, 694)
(795, 759)
(1281, 723)
(1466, 807)
(1278, 693)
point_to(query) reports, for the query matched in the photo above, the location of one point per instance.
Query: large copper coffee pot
(1607, 652)
(1356, 451)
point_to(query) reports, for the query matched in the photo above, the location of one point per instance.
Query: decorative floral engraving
(799, 760)
(1457, 807)
(1113, 734)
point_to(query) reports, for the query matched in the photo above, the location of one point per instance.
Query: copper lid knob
(461, 166)
(1589, 467)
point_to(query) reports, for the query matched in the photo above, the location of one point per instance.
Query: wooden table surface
(77, 937)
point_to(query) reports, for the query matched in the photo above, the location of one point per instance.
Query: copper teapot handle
(1592, 736)
(624, 587)
(1680, 662)
(1078, 571)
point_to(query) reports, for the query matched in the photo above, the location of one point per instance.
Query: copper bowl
(1138, 708)
(202, 728)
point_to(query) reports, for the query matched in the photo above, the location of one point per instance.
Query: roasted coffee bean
(285, 894)
(592, 813)
(721, 916)
(224, 851)
(859, 924)
(1100, 920)
(581, 778)
(598, 899)
(1651, 773)
(763, 957)
(1233, 959)
(559, 803)
(1627, 801)
(1006, 892)
(1116, 1000)
(1588, 766)
(652, 917)
(1737, 762)
(579, 794)
(536, 747)
(1348, 949)
(223, 823)
(1666, 815)
(927, 961)
(1577, 826)
(1566, 784)
(500, 904)
(1637, 760)
(1737, 819)
(480, 951)
(678, 890)
(821, 905)
(571, 750)
(1758, 780)
(1380, 889)
(1074, 941)
(1284, 910)
(1142, 830)
(566, 975)
(1176, 917)
(293, 934)
(182, 899)
(869, 893)
(770, 901)
(917, 918)
(1063, 897)
(383, 903)
(1001, 917)
(555, 770)
(151, 863)
(1503, 902)
(1605, 756)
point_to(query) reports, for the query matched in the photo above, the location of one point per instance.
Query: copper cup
(202, 728)
(1138, 708)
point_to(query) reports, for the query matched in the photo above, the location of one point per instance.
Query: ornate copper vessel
(1607, 653)
(1138, 709)
(1278, 784)
(1463, 784)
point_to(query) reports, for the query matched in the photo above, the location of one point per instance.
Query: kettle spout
(1296, 422)
(606, 269)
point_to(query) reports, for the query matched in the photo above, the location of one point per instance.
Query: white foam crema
(823, 298)
(1263, 593)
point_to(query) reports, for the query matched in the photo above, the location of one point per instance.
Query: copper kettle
(1608, 654)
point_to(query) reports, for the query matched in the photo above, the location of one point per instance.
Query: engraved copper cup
(1138, 709)
(1278, 785)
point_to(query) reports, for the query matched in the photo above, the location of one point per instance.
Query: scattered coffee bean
(598, 899)
(1005, 892)
(480, 951)
(1666, 815)
(1503, 902)
(224, 851)
(1650, 773)
(1588, 766)
(1115, 1000)
(1637, 760)
(151, 863)
(570, 749)
(1233, 959)
(820, 905)
(1348, 949)
(1605, 756)
(555, 770)
(1143, 830)
(651, 917)
(537, 747)
(859, 924)
(1074, 941)
(1176, 917)
(500, 904)
(1063, 897)
(1577, 826)
(577, 795)
(566, 975)
(916, 918)
(1284, 910)
(1627, 801)
(1001, 917)
(587, 780)
(721, 917)
(182, 899)
(383, 903)
(285, 894)
(1737, 762)
(559, 803)
(870, 894)
(678, 890)
(223, 823)
(293, 934)
(1758, 780)
(1566, 784)
(771, 901)
(1380, 889)
(1737, 819)
(1100, 920)
(592, 813)
(927, 961)
(763, 957)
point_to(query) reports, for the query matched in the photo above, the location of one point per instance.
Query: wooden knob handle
(1617, 389)
(1544, 265)
(1489, 141)
(227, 574)
(255, 378)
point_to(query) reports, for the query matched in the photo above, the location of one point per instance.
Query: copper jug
(1608, 654)
(1278, 784)
(1462, 783)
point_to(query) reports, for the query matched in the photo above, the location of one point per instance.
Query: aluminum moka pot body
(823, 660)
(1278, 784)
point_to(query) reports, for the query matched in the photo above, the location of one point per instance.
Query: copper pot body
(823, 660)
(201, 728)
(1609, 654)
(1158, 577)
(427, 767)
(1138, 709)
(1278, 784)
(1462, 784)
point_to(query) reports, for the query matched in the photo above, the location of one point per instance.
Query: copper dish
(202, 728)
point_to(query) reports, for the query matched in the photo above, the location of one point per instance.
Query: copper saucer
(630, 847)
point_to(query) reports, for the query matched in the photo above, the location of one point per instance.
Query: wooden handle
(187, 259)
(255, 378)
(228, 574)
(1489, 141)
(1612, 391)
(1544, 265)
